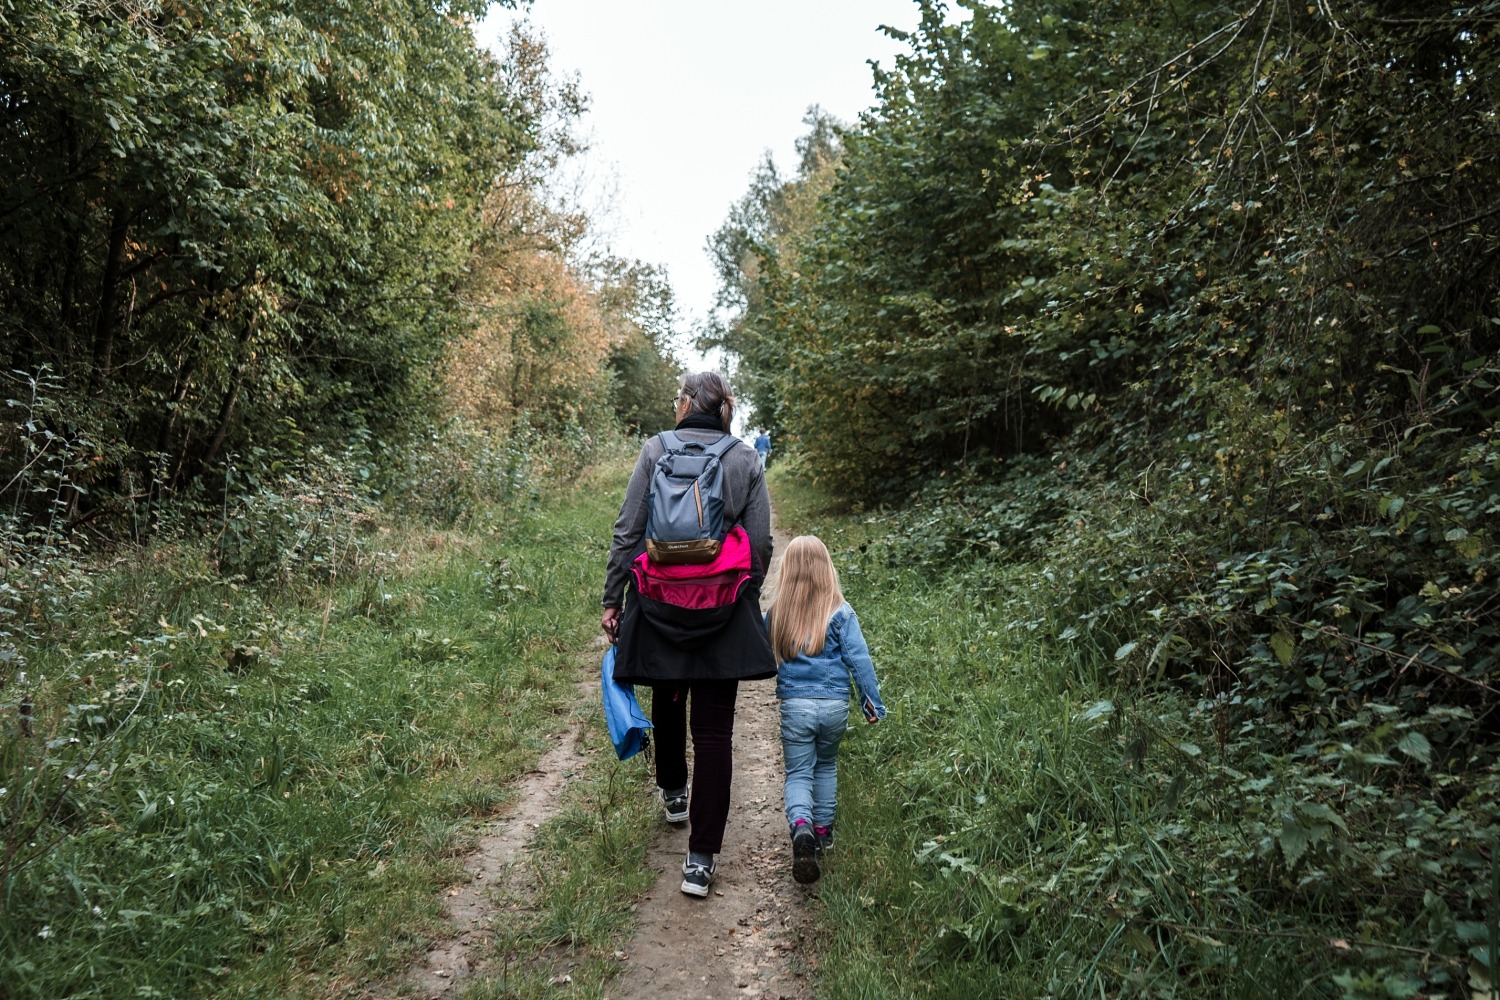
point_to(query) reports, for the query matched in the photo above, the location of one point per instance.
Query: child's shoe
(825, 837)
(804, 853)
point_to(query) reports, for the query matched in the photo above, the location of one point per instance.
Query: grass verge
(239, 792)
(586, 867)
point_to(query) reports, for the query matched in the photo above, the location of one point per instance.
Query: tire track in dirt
(749, 938)
(494, 869)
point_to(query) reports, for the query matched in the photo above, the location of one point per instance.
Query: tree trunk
(69, 291)
(226, 410)
(185, 370)
(104, 328)
(174, 401)
(68, 294)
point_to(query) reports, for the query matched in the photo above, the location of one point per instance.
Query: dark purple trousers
(712, 725)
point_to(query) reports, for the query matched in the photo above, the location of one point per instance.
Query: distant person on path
(762, 445)
(819, 648)
(693, 660)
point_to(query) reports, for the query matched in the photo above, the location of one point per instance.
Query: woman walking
(693, 658)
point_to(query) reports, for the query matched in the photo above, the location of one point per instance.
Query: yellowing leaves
(539, 341)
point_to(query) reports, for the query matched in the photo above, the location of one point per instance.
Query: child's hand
(869, 709)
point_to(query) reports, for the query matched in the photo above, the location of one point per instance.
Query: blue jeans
(811, 729)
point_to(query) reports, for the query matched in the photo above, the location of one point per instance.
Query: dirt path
(745, 939)
(492, 870)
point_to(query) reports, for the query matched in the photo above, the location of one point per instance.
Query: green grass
(1023, 825)
(587, 868)
(272, 790)
(269, 788)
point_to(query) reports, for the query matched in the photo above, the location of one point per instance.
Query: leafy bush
(461, 471)
(298, 525)
(1037, 818)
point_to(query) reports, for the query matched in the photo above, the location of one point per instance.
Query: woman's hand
(611, 625)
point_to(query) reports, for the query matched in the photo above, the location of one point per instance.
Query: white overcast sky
(686, 96)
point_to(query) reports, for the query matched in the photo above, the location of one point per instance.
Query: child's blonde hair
(806, 594)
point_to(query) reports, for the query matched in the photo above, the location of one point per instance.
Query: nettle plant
(280, 525)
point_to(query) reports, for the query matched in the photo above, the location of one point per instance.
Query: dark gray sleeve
(630, 526)
(757, 516)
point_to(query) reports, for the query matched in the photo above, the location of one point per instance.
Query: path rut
(494, 868)
(748, 938)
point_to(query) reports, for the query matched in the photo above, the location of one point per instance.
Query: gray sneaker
(696, 878)
(674, 805)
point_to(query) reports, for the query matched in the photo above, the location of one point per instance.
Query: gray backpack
(685, 505)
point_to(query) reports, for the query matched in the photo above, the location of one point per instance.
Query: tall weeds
(237, 758)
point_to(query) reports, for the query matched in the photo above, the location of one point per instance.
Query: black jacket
(659, 642)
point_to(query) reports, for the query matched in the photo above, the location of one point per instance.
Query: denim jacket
(826, 674)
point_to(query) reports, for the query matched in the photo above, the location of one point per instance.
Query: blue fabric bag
(622, 713)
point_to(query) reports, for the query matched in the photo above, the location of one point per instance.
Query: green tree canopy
(1227, 276)
(237, 227)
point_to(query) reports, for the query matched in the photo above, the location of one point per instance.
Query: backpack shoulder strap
(672, 442)
(720, 447)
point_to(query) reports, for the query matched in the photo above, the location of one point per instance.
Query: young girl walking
(819, 649)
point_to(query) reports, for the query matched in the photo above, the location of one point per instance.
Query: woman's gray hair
(708, 392)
